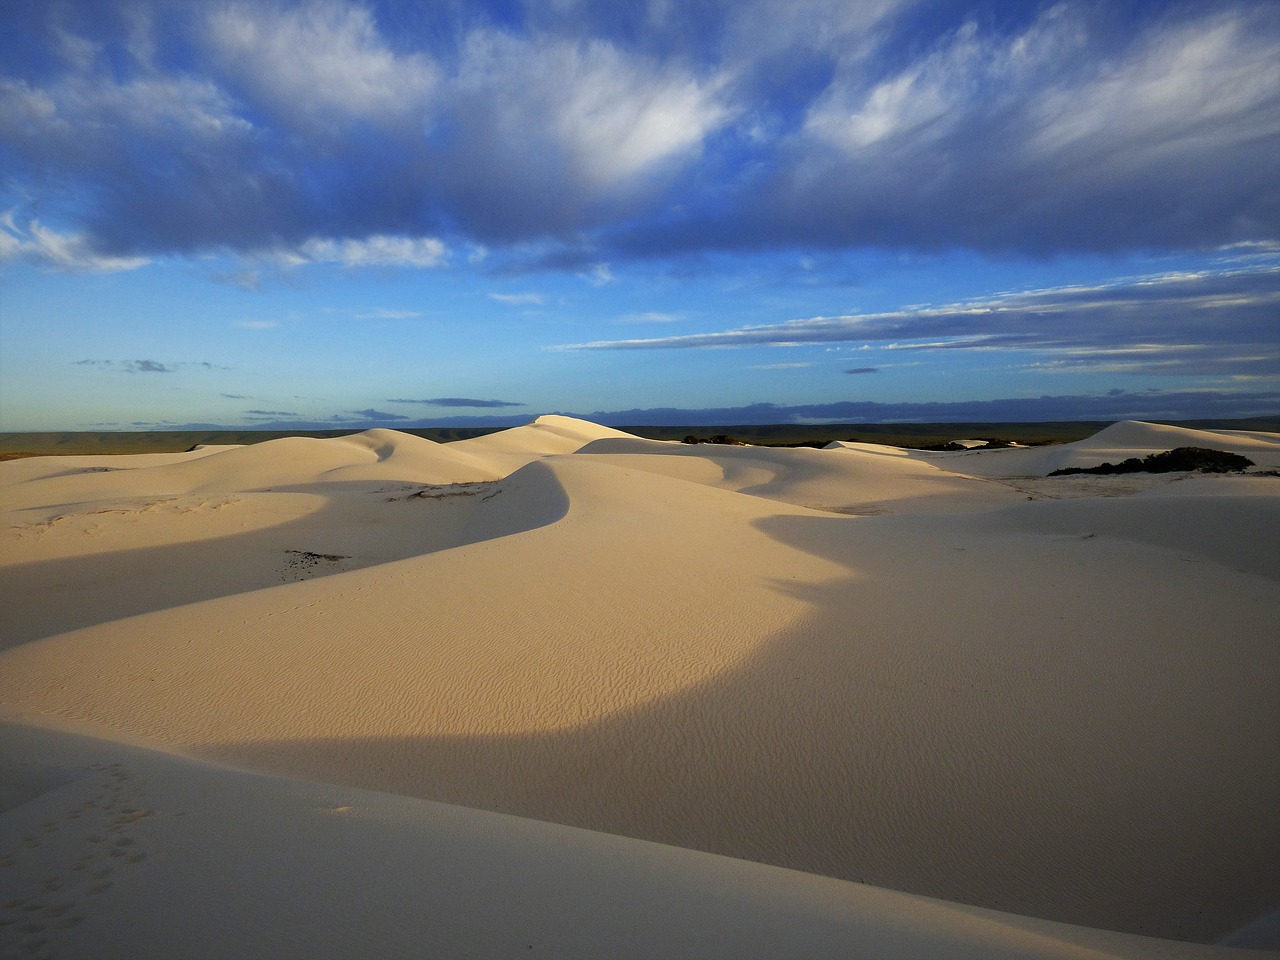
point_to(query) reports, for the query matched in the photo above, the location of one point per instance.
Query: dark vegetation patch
(1200, 459)
(721, 438)
(988, 443)
(306, 556)
(301, 564)
(447, 491)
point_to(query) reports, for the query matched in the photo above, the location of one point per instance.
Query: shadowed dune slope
(376, 455)
(881, 480)
(241, 865)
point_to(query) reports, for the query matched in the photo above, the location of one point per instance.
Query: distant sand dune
(1116, 443)
(869, 664)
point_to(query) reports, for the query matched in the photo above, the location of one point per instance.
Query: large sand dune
(929, 673)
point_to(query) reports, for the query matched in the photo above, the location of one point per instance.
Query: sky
(332, 213)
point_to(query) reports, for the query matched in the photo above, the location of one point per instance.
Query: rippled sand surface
(865, 669)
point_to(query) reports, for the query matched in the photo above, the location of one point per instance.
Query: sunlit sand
(564, 691)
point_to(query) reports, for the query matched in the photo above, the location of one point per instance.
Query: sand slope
(1116, 443)
(108, 839)
(217, 521)
(1060, 709)
(863, 485)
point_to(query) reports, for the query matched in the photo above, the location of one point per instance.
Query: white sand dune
(125, 852)
(543, 437)
(218, 521)
(1062, 710)
(1112, 445)
(866, 484)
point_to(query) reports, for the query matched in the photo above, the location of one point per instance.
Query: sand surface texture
(932, 695)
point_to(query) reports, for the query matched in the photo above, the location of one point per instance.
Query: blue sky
(340, 213)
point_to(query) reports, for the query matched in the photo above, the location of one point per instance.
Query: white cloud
(599, 275)
(1161, 99)
(380, 250)
(1179, 90)
(650, 316)
(966, 74)
(69, 252)
(519, 299)
(320, 62)
(613, 116)
(384, 314)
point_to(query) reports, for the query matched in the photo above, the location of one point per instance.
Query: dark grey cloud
(864, 370)
(1110, 405)
(272, 413)
(152, 366)
(378, 415)
(460, 402)
(636, 130)
(130, 366)
(1213, 322)
(147, 366)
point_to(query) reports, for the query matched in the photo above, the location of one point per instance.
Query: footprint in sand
(87, 849)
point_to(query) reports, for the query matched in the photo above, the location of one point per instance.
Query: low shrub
(1200, 459)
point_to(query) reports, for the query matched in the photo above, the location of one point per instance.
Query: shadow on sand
(982, 731)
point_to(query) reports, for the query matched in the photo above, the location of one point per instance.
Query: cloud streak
(1109, 406)
(461, 402)
(148, 366)
(1219, 322)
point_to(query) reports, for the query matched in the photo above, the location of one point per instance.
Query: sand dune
(543, 437)
(869, 665)
(244, 865)
(1114, 444)
(867, 484)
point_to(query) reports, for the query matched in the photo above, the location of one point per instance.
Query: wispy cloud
(130, 366)
(383, 314)
(379, 250)
(319, 66)
(460, 402)
(650, 316)
(519, 299)
(148, 366)
(1116, 404)
(71, 252)
(598, 275)
(1205, 322)
(864, 370)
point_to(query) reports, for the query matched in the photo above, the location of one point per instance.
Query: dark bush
(1201, 459)
(721, 438)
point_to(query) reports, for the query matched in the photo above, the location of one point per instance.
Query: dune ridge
(877, 665)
